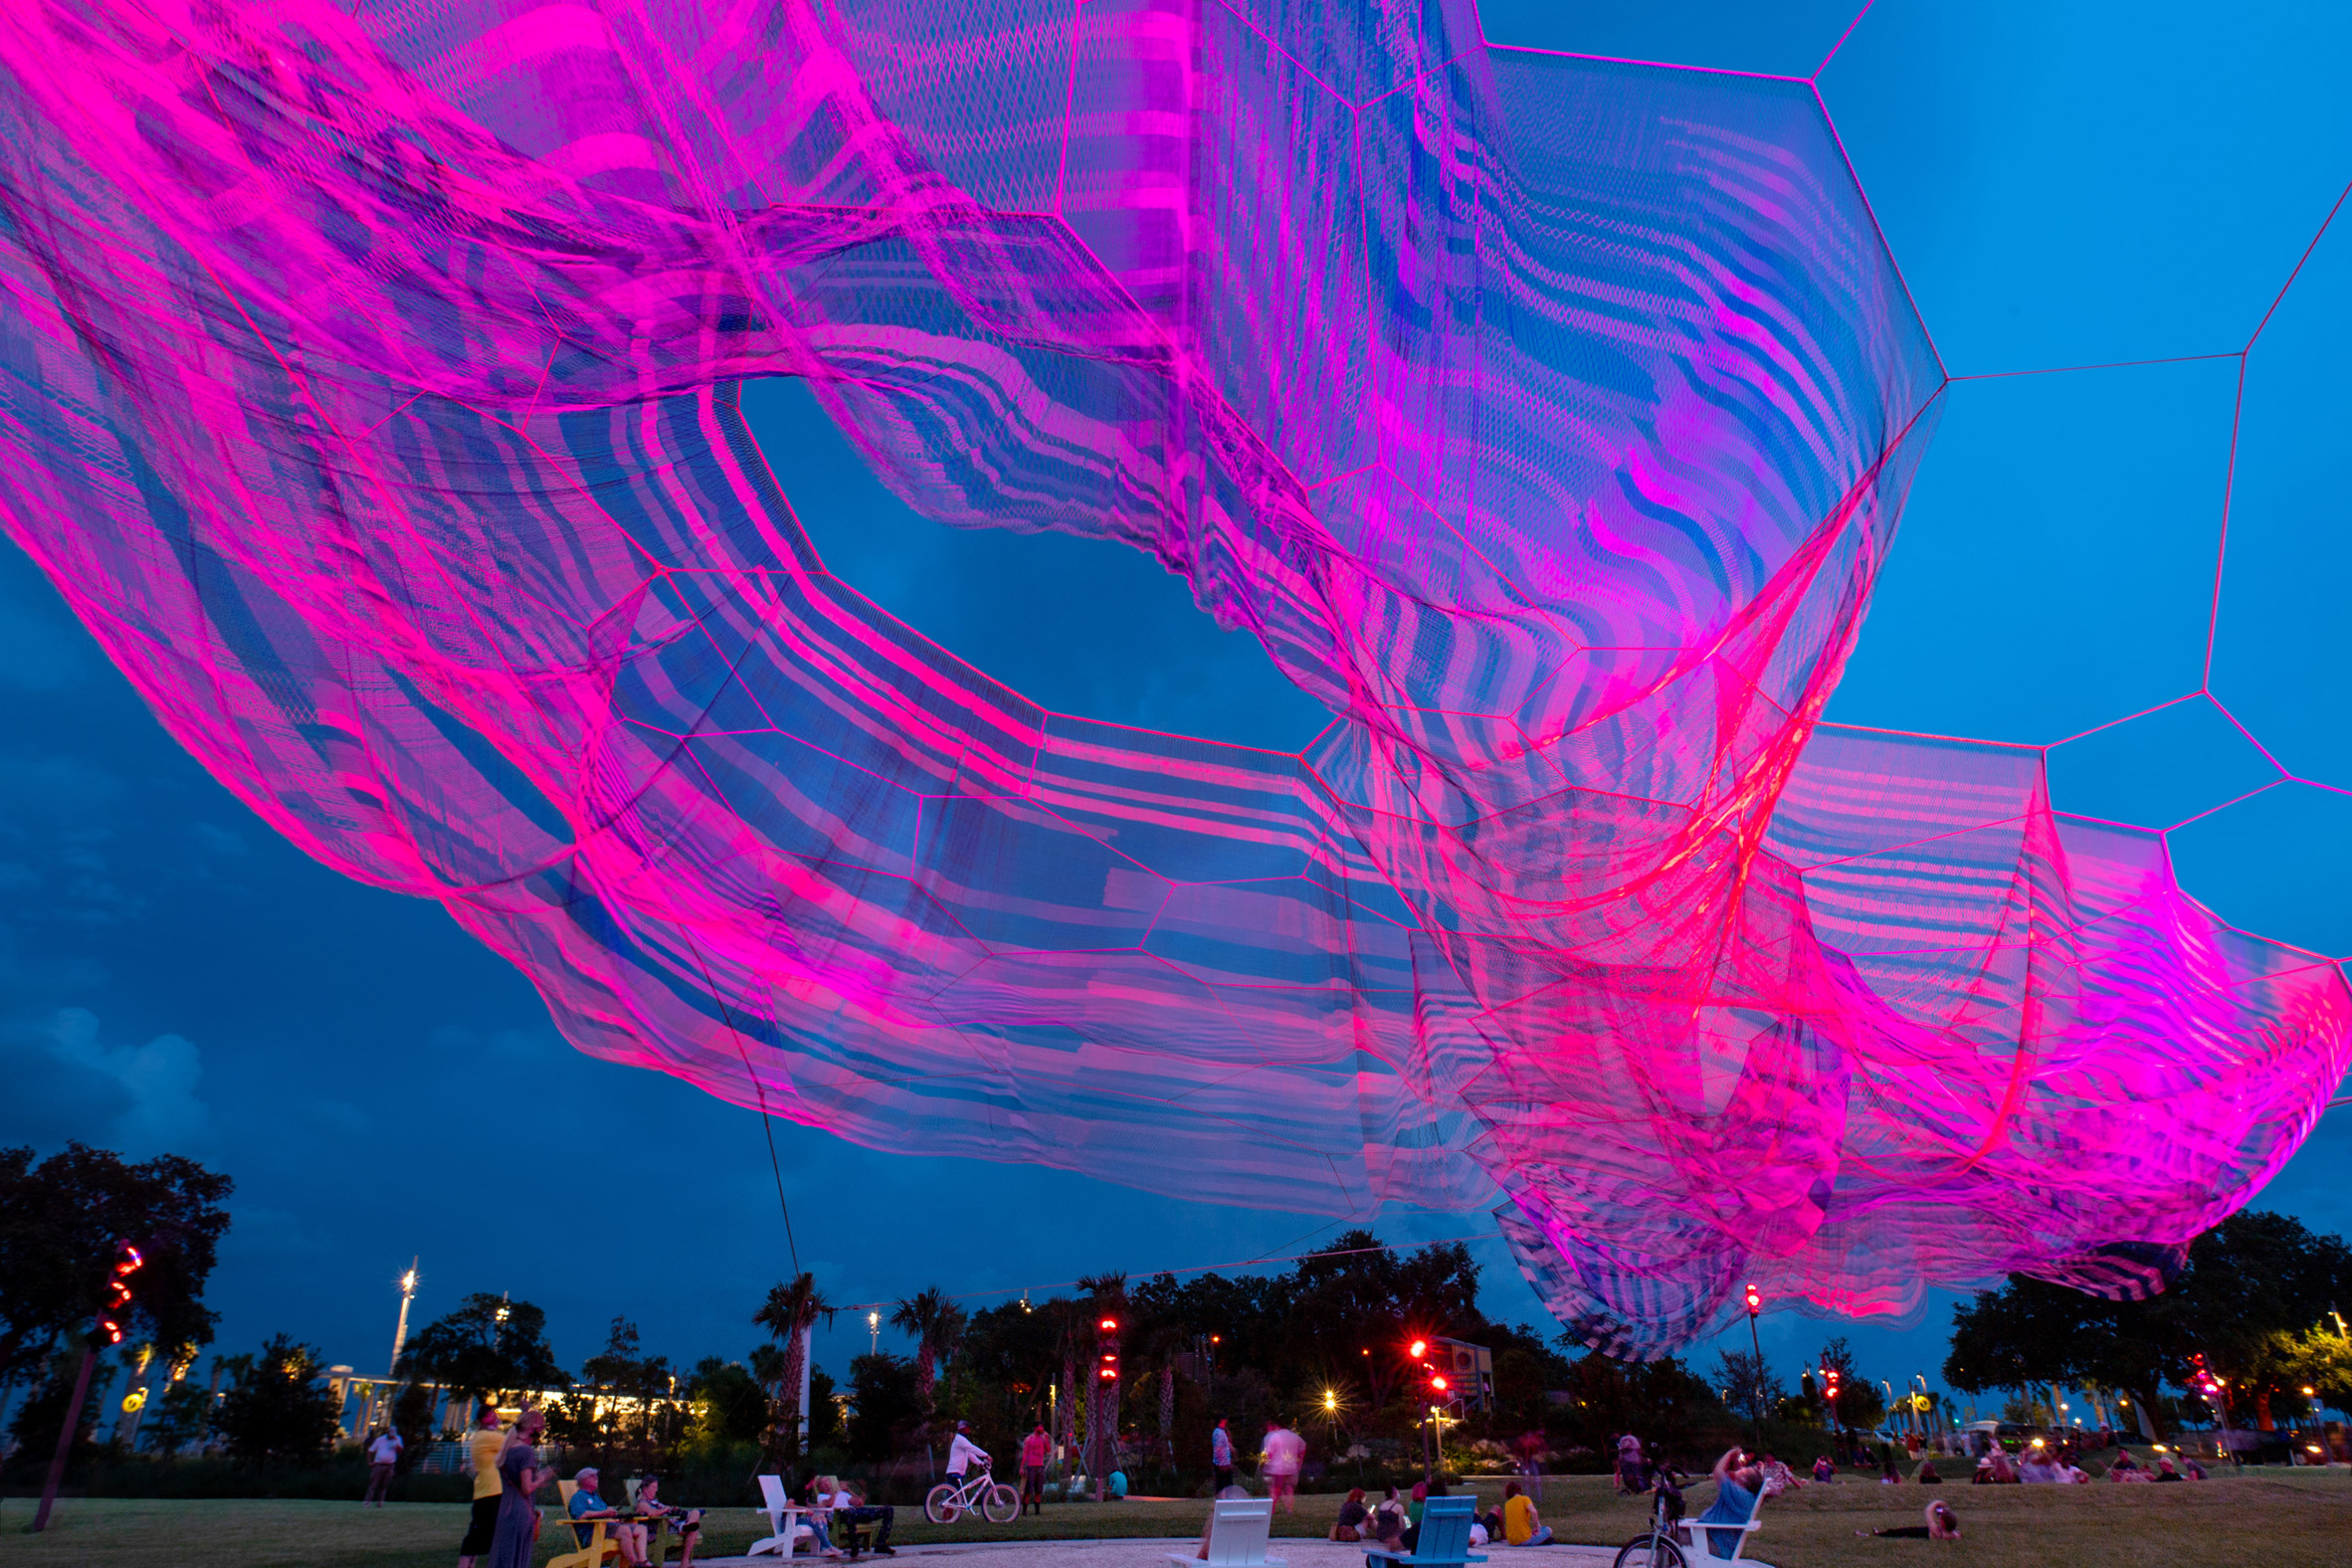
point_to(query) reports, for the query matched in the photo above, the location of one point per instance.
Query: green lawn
(2278, 1519)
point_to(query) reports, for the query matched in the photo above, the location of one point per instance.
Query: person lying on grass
(1942, 1525)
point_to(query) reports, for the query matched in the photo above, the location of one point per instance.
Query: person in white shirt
(383, 1456)
(962, 1451)
(1286, 1452)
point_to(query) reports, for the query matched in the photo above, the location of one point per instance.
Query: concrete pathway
(1146, 1552)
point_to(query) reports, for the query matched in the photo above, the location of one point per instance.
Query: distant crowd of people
(502, 1531)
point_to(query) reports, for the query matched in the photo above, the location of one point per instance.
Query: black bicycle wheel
(1651, 1551)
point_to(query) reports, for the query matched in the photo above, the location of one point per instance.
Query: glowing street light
(873, 1331)
(408, 1293)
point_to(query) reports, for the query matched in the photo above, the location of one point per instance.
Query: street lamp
(408, 1293)
(873, 1331)
(1755, 1301)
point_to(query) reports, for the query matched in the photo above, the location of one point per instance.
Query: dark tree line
(1321, 1346)
(2257, 1297)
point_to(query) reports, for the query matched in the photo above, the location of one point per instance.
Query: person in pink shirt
(1034, 1450)
(1285, 1450)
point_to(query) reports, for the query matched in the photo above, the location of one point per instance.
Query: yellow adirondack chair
(600, 1546)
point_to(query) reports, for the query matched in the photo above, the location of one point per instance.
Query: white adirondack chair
(1703, 1549)
(784, 1526)
(1237, 1537)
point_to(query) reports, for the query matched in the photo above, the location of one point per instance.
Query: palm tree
(938, 1325)
(788, 1314)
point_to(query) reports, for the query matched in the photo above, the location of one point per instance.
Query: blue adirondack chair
(1444, 1539)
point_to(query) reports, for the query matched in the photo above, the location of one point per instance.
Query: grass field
(2276, 1517)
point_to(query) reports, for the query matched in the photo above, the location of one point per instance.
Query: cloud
(159, 1077)
(41, 652)
(219, 840)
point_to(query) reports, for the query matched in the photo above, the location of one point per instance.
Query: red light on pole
(1110, 1325)
(1418, 1349)
(1438, 1383)
(118, 1294)
(1755, 1301)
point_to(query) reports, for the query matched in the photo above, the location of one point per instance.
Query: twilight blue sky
(2064, 184)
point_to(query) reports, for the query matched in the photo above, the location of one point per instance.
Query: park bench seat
(1444, 1537)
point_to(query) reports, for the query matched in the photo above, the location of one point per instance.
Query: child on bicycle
(961, 1452)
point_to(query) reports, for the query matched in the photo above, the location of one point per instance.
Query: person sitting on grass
(687, 1521)
(1521, 1524)
(1942, 1525)
(1824, 1471)
(1889, 1476)
(1778, 1477)
(2165, 1472)
(1927, 1476)
(1737, 1483)
(2126, 1468)
(1387, 1524)
(1352, 1516)
(586, 1507)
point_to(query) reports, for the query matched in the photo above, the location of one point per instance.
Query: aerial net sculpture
(368, 383)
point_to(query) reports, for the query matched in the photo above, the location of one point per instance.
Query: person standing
(483, 1446)
(1034, 1452)
(1221, 1456)
(519, 1476)
(1286, 1452)
(383, 1456)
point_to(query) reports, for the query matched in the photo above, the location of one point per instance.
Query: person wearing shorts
(483, 1446)
(1286, 1452)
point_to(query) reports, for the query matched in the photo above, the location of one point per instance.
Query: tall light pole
(408, 1293)
(873, 1332)
(1755, 1306)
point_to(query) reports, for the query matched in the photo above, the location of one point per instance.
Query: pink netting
(369, 384)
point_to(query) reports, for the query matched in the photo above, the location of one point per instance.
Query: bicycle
(1663, 1544)
(979, 1493)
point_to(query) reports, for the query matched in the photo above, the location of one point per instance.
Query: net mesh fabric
(369, 383)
